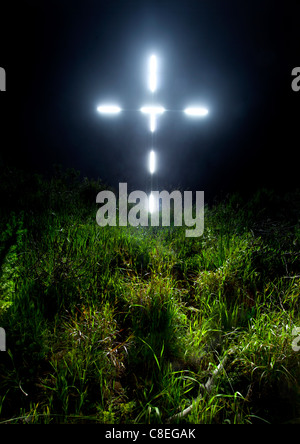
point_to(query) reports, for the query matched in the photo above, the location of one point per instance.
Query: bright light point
(152, 75)
(108, 109)
(152, 109)
(196, 111)
(151, 203)
(152, 162)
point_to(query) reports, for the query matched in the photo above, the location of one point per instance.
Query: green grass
(126, 325)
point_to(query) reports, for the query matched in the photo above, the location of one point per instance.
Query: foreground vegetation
(127, 325)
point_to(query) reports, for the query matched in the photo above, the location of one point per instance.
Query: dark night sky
(63, 58)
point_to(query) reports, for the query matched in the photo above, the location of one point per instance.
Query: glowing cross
(152, 111)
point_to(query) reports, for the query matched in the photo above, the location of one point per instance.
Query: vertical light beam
(151, 203)
(152, 73)
(152, 162)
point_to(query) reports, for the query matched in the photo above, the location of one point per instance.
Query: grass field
(135, 324)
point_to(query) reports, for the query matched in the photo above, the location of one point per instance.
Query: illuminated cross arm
(196, 112)
(153, 111)
(109, 109)
(153, 74)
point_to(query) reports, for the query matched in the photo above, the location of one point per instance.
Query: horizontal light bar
(152, 109)
(196, 111)
(108, 109)
(152, 162)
